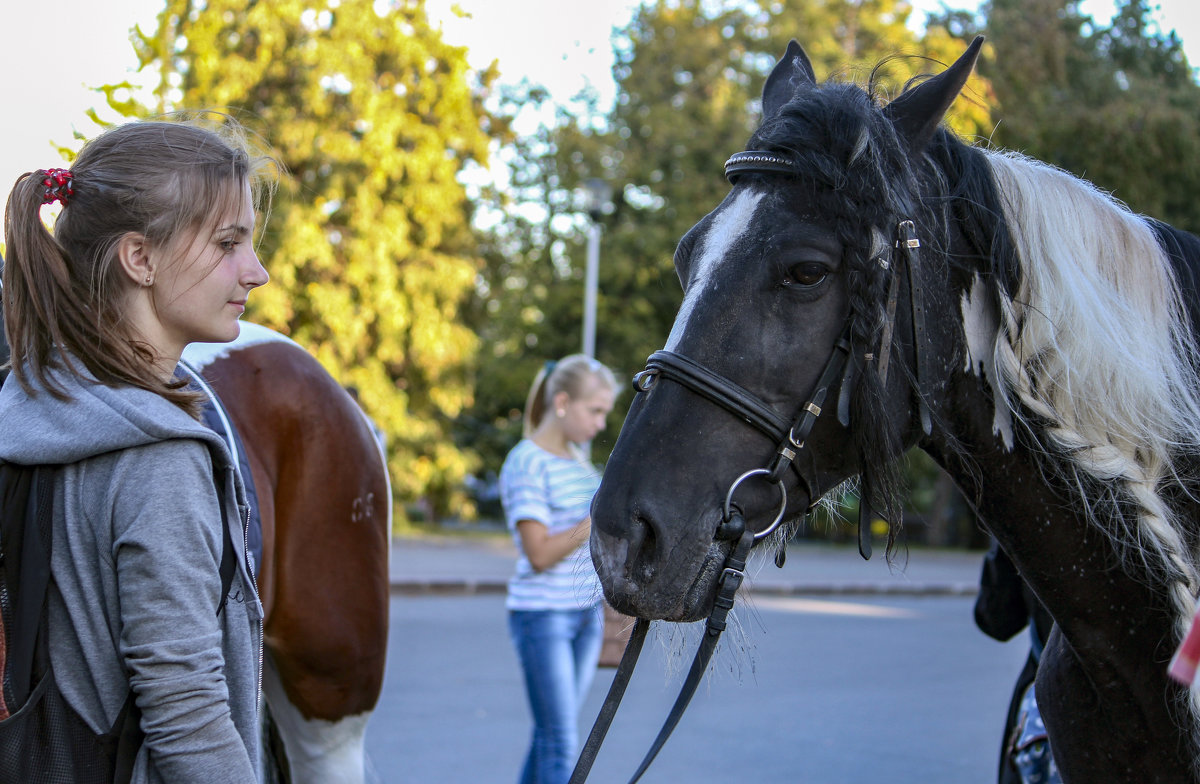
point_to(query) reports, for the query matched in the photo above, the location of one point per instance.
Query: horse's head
(775, 363)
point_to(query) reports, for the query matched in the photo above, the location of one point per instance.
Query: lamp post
(599, 194)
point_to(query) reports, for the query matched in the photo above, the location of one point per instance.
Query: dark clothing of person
(1004, 606)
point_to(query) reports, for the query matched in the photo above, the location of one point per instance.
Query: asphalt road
(812, 690)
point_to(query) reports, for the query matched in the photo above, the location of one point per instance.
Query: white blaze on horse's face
(981, 324)
(729, 225)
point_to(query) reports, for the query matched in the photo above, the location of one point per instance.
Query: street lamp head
(599, 197)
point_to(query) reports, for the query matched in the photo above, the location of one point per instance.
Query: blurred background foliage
(433, 258)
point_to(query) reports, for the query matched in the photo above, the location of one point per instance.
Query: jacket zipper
(258, 601)
(5, 618)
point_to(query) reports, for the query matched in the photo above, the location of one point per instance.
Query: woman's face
(585, 416)
(200, 294)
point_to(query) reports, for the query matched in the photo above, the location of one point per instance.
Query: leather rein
(790, 437)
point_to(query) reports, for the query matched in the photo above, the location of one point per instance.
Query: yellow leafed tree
(369, 246)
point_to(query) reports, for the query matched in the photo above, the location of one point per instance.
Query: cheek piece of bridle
(790, 438)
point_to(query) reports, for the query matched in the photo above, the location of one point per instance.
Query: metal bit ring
(782, 506)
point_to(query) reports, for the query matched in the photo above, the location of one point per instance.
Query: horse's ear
(918, 112)
(792, 73)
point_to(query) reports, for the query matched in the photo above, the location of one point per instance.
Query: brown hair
(569, 374)
(62, 290)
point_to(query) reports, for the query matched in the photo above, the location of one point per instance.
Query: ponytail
(36, 284)
(569, 374)
(535, 401)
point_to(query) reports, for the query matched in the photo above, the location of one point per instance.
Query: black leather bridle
(790, 438)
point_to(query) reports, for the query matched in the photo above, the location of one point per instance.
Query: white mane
(1096, 342)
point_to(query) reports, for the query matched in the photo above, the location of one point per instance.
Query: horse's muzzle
(638, 580)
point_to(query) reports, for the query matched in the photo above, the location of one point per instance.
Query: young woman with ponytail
(152, 249)
(554, 598)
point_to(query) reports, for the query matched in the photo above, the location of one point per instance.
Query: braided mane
(1098, 354)
(1096, 343)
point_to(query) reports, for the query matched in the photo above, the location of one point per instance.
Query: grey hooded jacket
(139, 507)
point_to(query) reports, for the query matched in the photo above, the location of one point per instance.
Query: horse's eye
(806, 274)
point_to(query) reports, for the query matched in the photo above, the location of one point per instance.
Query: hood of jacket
(41, 428)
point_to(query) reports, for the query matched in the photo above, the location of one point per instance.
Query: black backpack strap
(127, 730)
(12, 507)
(228, 559)
(27, 535)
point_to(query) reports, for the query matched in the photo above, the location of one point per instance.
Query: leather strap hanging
(731, 580)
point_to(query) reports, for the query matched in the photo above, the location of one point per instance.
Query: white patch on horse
(981, 324)
(201, 355)
(319, 752)
(727, 227)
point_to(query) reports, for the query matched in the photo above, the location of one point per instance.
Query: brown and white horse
(325, 502)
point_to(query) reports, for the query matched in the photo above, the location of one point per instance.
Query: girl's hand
(544, 549)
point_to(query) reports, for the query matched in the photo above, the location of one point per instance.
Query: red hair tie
(57, 183)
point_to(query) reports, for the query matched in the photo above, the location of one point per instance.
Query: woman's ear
(133, 253)
(560, 404)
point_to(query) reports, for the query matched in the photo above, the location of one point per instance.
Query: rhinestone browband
(757, 161)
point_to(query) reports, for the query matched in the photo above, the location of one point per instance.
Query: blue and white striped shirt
(557, 492)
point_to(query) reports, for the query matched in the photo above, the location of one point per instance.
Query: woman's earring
(562, 412)
(147, 280)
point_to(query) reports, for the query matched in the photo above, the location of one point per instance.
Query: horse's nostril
(643, 546)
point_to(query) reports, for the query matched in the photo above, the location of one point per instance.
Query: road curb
(447, 587)
(865, 589)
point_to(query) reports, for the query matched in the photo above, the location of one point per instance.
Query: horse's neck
(1026, 500)
(1033, 511)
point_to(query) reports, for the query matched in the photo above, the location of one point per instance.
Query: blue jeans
(559, 650)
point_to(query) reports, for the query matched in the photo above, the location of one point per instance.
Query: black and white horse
(871, 283)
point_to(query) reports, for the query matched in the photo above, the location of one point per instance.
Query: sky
(52, 52)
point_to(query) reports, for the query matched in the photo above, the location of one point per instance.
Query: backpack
(42, 739)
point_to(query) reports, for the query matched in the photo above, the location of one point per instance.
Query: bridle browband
(790, 437)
